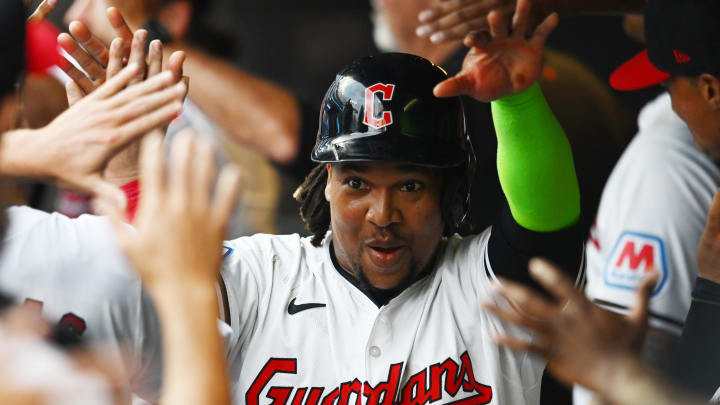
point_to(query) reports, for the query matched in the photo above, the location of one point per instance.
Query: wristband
(132, 193)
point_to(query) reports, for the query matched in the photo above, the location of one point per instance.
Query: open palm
(499, 64)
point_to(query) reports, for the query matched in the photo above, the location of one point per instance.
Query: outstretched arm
(261, 114)
(534, 157)
(535, 163)
(176, 249)
(583, 343)
(75, 148)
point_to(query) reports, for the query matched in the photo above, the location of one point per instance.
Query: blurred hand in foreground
(454, 20)
(74, 149)
(176, 248)
(581, 341)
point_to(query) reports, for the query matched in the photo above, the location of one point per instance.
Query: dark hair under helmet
(382, 109)
(12, 44)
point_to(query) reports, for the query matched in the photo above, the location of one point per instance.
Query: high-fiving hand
(501, 62)
(123, 167)
(180, 224)
(76, 148)
(453, 20)
(579, 339)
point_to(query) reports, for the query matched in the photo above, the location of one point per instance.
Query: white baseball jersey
(651, 216)
(303, 334)
(71, 271)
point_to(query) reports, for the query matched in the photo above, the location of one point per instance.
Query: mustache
(385, 235)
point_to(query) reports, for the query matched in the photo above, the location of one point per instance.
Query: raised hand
(102, 64)
(579, 340)
(180, 225)
(94, 58)
(176, 248)
(453, 20)
(501, 63)
(75, 148)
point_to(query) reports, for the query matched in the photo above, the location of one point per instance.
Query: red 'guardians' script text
(433, 383)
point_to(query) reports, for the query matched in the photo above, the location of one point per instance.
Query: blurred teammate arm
(452, 20)
(584, 343)
(252, 110)
(74, 149)
(176, 248)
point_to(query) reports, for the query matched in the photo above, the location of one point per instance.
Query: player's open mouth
(385, 256)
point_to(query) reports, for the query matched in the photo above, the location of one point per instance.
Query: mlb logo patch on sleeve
(633, 257)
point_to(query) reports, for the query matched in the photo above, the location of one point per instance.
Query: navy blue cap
(682, 39)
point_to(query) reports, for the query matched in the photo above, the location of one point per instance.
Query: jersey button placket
(378, 343)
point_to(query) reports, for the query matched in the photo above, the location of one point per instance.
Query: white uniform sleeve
(72, 271)
(651, 216)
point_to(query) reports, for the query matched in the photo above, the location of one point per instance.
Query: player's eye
(411, 186)
(355, 183)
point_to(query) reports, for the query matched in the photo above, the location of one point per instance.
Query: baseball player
(380, 304)
(653, 209)
(651, 216)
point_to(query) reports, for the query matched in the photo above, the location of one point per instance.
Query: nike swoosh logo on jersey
(294, 309)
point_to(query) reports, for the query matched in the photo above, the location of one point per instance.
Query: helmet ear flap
(456, 200)
(456, 197)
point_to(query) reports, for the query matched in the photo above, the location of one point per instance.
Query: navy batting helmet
(382, 109)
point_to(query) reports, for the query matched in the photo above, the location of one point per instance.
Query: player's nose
(382, 211)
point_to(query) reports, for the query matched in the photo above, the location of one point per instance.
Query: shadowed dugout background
(301, 45)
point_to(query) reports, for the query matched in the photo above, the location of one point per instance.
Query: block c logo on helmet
(371, 119)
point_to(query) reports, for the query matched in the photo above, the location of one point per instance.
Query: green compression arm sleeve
(535, 163)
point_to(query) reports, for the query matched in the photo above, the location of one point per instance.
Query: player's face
(386, 219)
(690, 104)
(93, 13)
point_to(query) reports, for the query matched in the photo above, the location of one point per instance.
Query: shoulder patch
(227, 251)
(632, 258)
